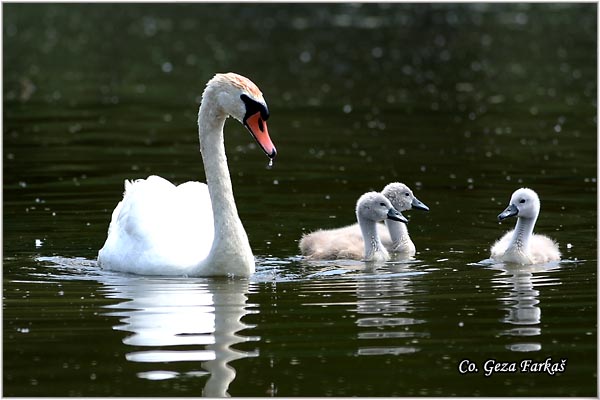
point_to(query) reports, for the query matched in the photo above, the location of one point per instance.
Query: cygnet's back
(345, 243)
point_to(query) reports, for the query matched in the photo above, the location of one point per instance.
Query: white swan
(371, 208)
(192, 229)
(521, 245)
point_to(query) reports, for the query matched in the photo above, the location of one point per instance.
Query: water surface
(464, 103)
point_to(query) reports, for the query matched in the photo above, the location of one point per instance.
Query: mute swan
(394, 235)
(192, 229)
(371, 208)
(403, 199)
(521, 245)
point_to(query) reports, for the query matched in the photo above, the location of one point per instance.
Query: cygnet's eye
(522, 201)
(407, 194)
(382, 204)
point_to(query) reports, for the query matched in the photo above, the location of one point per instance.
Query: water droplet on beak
(270, 164)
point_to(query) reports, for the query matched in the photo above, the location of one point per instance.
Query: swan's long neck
(230, 250)
(522, 234)
(212, 147)
(374, 250)
(398, 233)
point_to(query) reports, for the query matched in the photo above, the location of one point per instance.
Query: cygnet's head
(374, 206)
(402, 197)
(524, 203)
(240, 98)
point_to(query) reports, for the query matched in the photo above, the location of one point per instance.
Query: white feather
(194, 228)
(521, 245)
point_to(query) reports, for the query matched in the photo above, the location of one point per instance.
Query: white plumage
(158, 225)
(521, 245)
(192, 229)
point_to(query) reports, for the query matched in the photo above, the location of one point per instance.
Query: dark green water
(464, 103)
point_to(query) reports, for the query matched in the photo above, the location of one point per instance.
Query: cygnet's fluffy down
(333, 244)
(393, 235)
(346, 243)
(521, 245)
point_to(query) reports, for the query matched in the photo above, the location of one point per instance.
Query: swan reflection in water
(386, 309)
(175, 320)
(384, 304)
(522, 300)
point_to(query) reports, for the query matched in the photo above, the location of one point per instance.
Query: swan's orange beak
(258, 128)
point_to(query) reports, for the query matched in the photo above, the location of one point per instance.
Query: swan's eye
(522, 201)
(253, 106)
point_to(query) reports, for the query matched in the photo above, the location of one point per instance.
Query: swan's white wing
(159, 227)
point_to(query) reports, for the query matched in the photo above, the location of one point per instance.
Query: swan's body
(393, 235)
(192, 229)
(343, 243)
(521, 245)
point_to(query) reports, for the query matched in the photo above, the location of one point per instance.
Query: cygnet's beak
(395, 215)
(510, 211)
(418, 205)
